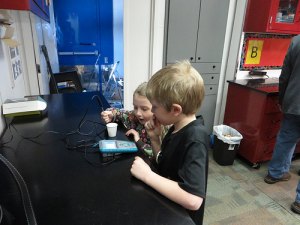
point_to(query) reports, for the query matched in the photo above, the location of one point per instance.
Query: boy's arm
(154, 131)
(173, 191)
(165, 186)
(155, 144)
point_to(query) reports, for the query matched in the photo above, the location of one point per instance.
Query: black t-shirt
(184, 158)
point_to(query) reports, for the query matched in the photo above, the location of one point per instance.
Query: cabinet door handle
(199, 58)
(192, 58)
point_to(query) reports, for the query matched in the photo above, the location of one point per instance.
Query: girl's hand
(107, 116)
(140, 169)
(135, 134)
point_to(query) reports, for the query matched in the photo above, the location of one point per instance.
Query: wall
(118, 34)
(30, 32)
(143, 41)
(229, 67)
(10, 87)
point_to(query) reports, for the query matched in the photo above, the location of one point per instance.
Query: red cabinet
(38, 7)
(253, 110)
(273, 16)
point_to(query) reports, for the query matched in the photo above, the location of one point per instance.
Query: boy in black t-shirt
(176, 93)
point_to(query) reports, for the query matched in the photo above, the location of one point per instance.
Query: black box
(223, 153)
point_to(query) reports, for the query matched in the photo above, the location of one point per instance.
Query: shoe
(296, 207)
(272, 180)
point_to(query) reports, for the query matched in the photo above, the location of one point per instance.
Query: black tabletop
(69, 182)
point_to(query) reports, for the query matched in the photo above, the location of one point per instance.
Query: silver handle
(65, 53)
(86, 53)
(79, 53)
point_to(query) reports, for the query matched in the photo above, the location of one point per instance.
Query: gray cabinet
(211, 81)
(182, 29)
(195, 30)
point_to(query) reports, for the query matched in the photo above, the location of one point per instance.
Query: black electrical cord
(28, 209)
(81, 145)
(6, 127)
(76, 131)
(1, 214)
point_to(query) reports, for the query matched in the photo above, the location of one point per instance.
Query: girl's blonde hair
(141, 89)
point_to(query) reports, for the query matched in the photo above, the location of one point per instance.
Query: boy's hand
(140, 169)
(135, 134)
(153, 128)
(107, 116)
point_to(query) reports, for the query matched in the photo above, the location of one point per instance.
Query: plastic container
(226, 144)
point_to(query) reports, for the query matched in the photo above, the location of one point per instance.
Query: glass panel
(112, 85)
(286, 11)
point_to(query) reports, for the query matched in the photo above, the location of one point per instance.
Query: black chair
(69, 78)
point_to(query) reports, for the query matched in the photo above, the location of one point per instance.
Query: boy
(176, 93)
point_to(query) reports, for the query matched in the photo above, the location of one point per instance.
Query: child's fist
(107, 116)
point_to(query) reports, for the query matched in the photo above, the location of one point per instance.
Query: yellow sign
(254, 51)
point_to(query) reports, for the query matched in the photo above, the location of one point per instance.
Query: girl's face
(142, 108)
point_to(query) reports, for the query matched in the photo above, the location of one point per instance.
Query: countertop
(266, 86)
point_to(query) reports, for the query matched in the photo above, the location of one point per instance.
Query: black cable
(81, 123)
(1, 214)
(99, 100)
(29, 212)
(86, 157)
(6, 127)
(87, 109)
(76, 131)
(79, 145)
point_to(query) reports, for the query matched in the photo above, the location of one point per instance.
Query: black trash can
(223, 153)
(226, 143)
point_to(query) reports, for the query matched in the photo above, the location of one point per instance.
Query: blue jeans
(287, 138)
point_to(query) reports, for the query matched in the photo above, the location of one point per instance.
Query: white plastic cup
(112, 129)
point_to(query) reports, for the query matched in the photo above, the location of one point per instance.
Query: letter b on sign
(254, 51)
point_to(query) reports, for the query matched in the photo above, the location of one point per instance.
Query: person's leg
(298, 193)
(296, 205)
(284, 148)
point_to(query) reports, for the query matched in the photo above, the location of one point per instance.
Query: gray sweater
(289, 80)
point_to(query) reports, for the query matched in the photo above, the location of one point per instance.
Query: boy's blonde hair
(178, 83)
(141, 89)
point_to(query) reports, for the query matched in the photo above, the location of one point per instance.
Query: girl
(134, 120)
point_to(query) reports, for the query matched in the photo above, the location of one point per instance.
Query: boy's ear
(176, 109)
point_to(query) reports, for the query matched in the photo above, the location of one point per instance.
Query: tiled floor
(237, 195)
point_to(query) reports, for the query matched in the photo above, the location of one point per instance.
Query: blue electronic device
(117, 146)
